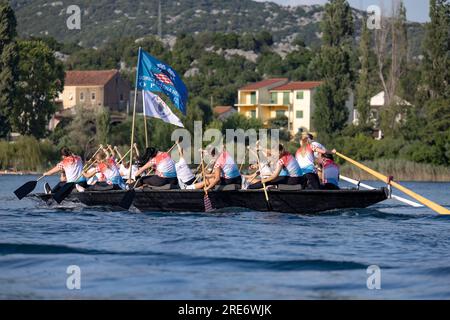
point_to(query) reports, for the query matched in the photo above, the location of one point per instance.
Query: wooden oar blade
(26, 189)
(127, 199)
(63, 192)
(207, 203)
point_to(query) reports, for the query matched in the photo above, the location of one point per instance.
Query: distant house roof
(298, 85)
(89, 78)
(223, 109)
(378, 100)
(264, 83)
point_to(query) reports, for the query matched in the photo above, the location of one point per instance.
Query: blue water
(225, 255)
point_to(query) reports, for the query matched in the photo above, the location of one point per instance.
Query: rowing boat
(296, 202)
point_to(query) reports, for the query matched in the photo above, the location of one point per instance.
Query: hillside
(103, 20)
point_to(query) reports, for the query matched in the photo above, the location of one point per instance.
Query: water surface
(233, 254)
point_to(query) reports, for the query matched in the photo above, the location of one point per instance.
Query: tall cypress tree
(8, 65)
(436, 48)
(334, 67)
(363, 85)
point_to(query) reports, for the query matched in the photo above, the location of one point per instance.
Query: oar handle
(40, 178)
(430, 204)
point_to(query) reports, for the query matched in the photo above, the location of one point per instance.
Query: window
(253, 114)
(280, 113)
(93, 96)
(273, 98)
(300, 95)
(121, 97)
(299, 114)
(285, 98)
(253, 98)
(82, 96)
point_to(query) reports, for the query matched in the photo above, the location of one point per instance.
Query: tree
(333, 65)
(102, 124)
(363, 85)
(391, 68)
(436, 50)
(8, 65)
(41, 78)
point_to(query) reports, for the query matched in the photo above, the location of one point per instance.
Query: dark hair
(149, 154)
(280, 148)
(328, 156)
(310, 136)
(65, 152)
(213, 151)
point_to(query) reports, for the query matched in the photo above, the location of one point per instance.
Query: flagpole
(145, 120)
(134, 115)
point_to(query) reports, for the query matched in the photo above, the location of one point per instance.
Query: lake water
(227, 255)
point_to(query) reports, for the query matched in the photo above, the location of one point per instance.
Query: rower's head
(65, 152)
(304, 138)
(149, 154)
(328, 156)
(310, 136)
(213, 152)
(100, 156)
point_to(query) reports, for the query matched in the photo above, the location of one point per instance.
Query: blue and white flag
(155, 107)
(156, 76)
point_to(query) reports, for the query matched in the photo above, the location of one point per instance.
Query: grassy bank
(402, 170)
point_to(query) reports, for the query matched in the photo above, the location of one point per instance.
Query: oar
(126, 154)
(88, 162)
(128, 198)
(266, 194)
(206, 201)
(430, 204)
(357, 183)
(27, 188)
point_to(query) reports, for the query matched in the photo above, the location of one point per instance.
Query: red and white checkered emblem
(163, 78)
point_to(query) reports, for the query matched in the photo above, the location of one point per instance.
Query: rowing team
(277, 167)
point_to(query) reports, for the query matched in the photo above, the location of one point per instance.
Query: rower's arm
(215, 180)
(53, 171)
(111, 150)
(180, 150)
(148, 165)
(274, 175)
(89, 174)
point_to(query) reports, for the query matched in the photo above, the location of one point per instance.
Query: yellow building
(271, 98)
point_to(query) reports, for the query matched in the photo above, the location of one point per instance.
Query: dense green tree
(40, 81)
(333, 65)
(363, 93)
(436, 50)
(8, 65)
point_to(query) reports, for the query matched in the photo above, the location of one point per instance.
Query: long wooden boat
(297, 202)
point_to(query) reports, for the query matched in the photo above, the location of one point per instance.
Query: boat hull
(297, 202)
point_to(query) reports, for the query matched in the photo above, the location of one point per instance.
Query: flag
(156, 76)
(155, 107)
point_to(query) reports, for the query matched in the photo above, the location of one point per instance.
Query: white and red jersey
(184, 173)
(72, 166)
(108, 169)
(163, 165)
(288, 162)
(330, 171)
(227, 166)
(306, 160)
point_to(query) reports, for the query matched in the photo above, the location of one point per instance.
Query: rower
(72, 166)
(225, 172)
(184, 173)
(164, 168)
(287, 171)
(125, 165)
(107, 167)
(306, 161)
(330, 172)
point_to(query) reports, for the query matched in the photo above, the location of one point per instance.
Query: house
(224, 112)
(96, 88)
(377, 103)
(272, 98)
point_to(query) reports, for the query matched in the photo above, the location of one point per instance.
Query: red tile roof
(222, 109)
(89, 78)
(262, 84)
(298, 85)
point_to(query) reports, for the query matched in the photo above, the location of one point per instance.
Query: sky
(417, 10)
